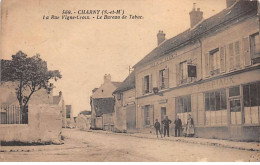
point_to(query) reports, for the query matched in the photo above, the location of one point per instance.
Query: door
(163, 113)
(130, 117)
(235, 111)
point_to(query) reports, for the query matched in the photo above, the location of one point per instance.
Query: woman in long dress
(190, 127)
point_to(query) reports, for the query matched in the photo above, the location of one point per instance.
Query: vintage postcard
(130, 81)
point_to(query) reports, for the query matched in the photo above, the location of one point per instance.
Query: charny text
(89, 12)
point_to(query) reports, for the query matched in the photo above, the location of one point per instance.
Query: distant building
(102, 104)
(58, 100)
(125, 107)
(70, 123)
(83, 120)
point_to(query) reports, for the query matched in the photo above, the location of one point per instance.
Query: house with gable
(102, 104)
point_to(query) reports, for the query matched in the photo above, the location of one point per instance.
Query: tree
(31, 73)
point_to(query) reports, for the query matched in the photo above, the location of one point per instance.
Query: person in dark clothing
(178, 126)
(157, 126)
(166, 123)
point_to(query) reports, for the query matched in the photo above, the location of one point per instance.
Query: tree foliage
(31, 73)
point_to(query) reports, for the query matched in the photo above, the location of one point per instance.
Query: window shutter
(222, 52)
(206, 57)
(166, 79)
(143, 85)
(231, 56)
(150, 83)
(142, 114)
(151, 114)
(177, 74)
(246, 52)
(237, 54)
(160, 79)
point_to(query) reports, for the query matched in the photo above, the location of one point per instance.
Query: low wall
(44, 125)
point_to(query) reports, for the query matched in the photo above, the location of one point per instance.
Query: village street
(97, 146)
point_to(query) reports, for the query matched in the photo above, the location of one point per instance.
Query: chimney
(107, 78)
(60, 94)
(195, 16)
(230, 3)
(160, 37)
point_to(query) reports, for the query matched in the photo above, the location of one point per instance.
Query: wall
(229, 34)
(8, 95)
(83, 122)
(44, 126)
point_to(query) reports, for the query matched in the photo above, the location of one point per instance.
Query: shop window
(164, 78)
(251, 100)
(183, 107)
(216, 107)
(214, 61)
(255, 47)
(215, 100)
(147, 115)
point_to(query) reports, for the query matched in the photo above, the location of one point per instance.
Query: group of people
(188, 131)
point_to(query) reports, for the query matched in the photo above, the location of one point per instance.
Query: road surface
(94, 146)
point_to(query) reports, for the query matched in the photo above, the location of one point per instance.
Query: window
(251, 100)
(146, 83)
(183, 72)
(12, 114)
(216, 107)
(214, 61)
(234, 91)
(147, 115)
(255, 46)
(215, 100)
(164, 78)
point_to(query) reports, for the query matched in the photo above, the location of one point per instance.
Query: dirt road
(91, 146)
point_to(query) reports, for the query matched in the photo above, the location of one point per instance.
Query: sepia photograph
(130, 81)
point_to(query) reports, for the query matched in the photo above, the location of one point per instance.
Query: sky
(85, 50)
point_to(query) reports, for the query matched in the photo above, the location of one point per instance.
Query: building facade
(125, 107)
(210, 71)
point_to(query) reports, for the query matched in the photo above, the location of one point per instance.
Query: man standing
(166, 123)
(178, 125)
(157, 126)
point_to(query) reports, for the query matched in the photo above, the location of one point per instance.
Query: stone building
(210, 71)
(102, 104)
(125, 113)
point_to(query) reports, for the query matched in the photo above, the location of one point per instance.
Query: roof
(117, 84)
(128, 83)
(237, 10)
(103, 106)
(56, 99)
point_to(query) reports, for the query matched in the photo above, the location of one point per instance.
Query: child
(157, 127)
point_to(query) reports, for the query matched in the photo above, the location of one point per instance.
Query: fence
(13, 114)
